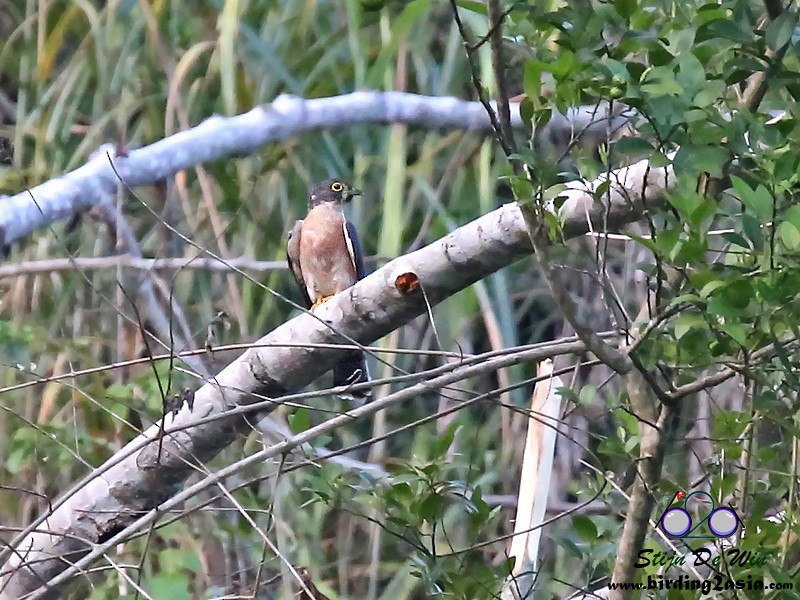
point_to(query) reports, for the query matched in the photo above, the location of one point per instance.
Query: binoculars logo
(677, 522)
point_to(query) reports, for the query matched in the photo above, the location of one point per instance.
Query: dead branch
(217, 137)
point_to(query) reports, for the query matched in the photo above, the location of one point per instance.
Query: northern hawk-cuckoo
(325, 257)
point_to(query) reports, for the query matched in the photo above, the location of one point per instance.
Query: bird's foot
(321, 300)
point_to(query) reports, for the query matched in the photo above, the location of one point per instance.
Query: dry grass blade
(534, 483)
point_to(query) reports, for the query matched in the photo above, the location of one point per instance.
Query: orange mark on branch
(406, 283)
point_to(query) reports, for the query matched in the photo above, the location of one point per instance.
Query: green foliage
(432, 514)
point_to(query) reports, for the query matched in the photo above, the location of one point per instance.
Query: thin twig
(496, 18)
(493, 27)
(476, 82)
(203, 263)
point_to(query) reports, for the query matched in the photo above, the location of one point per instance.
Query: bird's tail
(350, 370)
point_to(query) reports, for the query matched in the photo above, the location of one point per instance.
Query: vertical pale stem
(534, 485)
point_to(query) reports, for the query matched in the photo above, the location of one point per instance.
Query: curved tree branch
(217, 137)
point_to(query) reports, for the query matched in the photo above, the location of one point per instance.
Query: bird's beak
(353, 193)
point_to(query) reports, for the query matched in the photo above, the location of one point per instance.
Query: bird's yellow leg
(321, 300)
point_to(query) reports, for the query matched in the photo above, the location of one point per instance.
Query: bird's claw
(320, 301)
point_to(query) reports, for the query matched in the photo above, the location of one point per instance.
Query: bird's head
(332, 190)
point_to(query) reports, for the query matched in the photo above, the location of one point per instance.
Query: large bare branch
(150, 470)
(217, 137)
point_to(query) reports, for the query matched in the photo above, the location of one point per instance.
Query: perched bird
(325, 257)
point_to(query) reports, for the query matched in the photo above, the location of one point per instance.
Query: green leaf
(786, 166)
(570, 547)
(412, 13)
(563, 65)
(523, 189)
(119, 391)
(709, 288)
(689, 249)
(611, 447)
(300, 420)
(647, 243)
(691, 75)
(792, 215)
(173, 560)
(585, 528)
(759, 200)
(704, 210)
(659, 159)
(660, 81)
(701, 159)
(476, 500)
(630, 444)
(625, 8)
(751, 227)
(685, 202)
(587, 395)
(372, 5)
(725, 29)
(633, 146)
(740, 68)
(733, 299)
(532, 78)
(526, 110)
(430, 508)
(789, 235)
(740, 292)
(736, 239)
(684, 299)
(737, 331)
(780, 30)
(686, 322)
(665, 241)
(567, 395)
(473, 5)
(710, 12)
(444, 441)
(713, 91)
(174, 587)
(620, 72)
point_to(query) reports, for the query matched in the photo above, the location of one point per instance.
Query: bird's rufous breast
(324, 258)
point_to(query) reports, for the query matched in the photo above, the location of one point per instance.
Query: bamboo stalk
(534, 485)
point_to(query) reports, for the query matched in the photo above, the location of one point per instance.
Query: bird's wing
(354, 248)
(293, 258)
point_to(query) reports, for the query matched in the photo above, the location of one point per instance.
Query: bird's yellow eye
(336, 186)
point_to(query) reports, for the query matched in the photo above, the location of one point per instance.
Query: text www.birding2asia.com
(717, 583)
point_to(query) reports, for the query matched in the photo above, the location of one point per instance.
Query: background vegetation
(75, 75)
